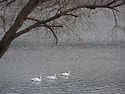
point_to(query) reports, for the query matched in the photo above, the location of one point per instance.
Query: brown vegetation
(46, 14)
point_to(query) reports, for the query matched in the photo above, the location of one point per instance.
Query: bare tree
(47, 14)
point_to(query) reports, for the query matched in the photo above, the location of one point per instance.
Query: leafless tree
(46, 14)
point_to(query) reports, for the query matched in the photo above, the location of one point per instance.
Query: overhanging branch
(72, 15)
(2, 1)
(10, 2)
(119, 4)
(52, 32)
(63, 13)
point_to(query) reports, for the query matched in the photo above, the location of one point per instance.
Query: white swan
(37, 79)
(66, 74)
(52, 77)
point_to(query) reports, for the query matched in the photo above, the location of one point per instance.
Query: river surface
(96, 69)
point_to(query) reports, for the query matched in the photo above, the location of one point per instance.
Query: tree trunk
(10, 34)
(4, 44)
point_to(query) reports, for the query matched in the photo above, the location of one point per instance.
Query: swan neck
(40, 78)
(55, 76)
(69, 72)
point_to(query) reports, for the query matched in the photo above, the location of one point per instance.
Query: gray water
(96, 69)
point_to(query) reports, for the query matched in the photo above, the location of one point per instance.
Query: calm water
(97, 69)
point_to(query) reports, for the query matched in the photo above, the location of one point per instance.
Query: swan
(52, 77)
(37, 79)
(66, 74)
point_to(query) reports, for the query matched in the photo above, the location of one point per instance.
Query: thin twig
(3, 1)
(115, 18)
(10, 2)
(4, 22)
(52, 32)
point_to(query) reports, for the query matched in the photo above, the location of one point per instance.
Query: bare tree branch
(10, 34)
(52, 32)
(4, 22)
(116, 24)
(33, 19)
(10, 2)
(72, 15)
(45, 13)
(112, 2)
(119, 4)
(3, 1)
(38, 23)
